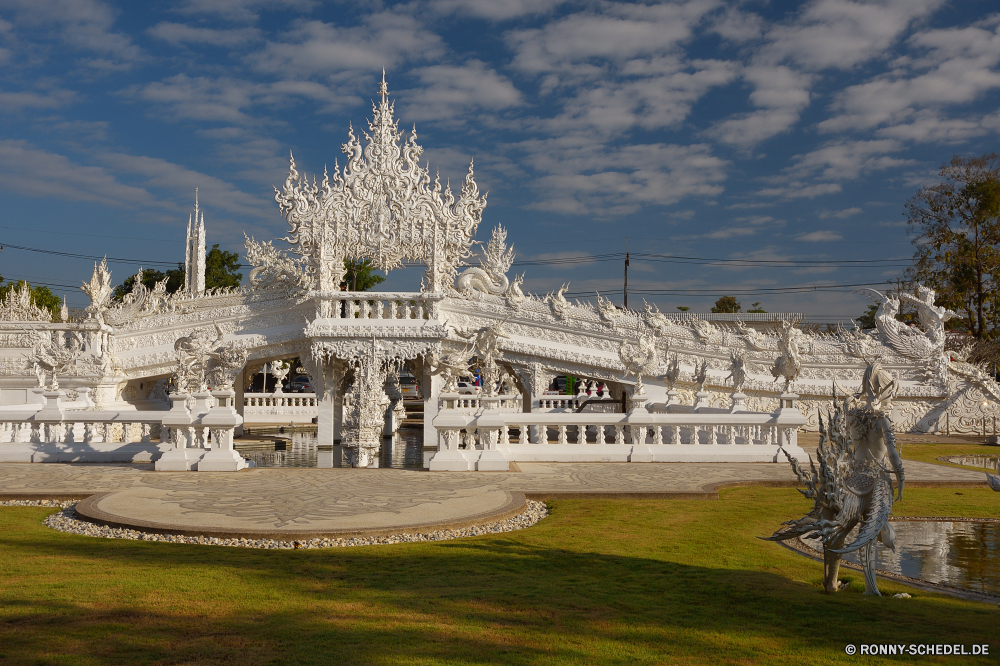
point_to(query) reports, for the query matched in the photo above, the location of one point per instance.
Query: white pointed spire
(194, 254)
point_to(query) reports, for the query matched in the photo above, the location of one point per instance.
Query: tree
(221, 269)
(40, 296)
(175, 280)
(867, 320)
(956, 229)
(359, 276)
(727, 304)
(756, 308)
(683, 308)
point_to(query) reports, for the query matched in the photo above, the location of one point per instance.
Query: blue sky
(760, 131)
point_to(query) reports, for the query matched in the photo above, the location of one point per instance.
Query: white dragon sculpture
(491, 275)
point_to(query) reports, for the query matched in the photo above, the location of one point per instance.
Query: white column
(240, 398)
(326, 393)
(431, 386)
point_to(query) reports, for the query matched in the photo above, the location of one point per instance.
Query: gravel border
(68, 521)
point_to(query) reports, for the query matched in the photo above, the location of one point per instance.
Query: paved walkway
(305, 502)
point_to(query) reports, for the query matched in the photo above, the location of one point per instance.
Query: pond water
(961, 554)
(403, 451)
(989, 462)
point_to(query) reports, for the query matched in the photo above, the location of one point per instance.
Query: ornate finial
(383, 90)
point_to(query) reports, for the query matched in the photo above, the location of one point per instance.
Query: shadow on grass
(573, 589)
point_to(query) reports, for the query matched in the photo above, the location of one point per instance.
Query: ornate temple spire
(194, 254)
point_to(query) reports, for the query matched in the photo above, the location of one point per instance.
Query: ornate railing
(467, 441)
(277, 403)
(199, 436)
(380, 305)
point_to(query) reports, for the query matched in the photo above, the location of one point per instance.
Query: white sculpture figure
(658, 321)
(558, 302)
(272, 269)
(364, 420)
(17, 306)
(64, 311)
(640, 359)
(737, 370)
(703, 330)
(491, 275)
(789, 361)
(754, 338)
(280, 370)
(607, 310)
(50, 359)
(486, 343)
(450, 366)
(515, 297)
(383, 207)
(98, 289)
(672, 373)
(205, 363)
(853, 485)
(701, 375)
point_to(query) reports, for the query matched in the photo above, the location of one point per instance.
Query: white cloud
(839, 214)
(739, 26)
(181, 33)
(495, 10)
(800, 190)
(227, 100)
(581, 176)
(620, 32)
(960, 65)
(49, 98)
(30, 171)
(241, 10)
(819, 236)
(781, 92)
(314, 48)
(82, 24)
(842, 34)
(847, 160)
(448, 91)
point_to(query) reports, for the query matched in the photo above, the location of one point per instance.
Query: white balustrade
(56, 434)
(366, 305)
(638, 436)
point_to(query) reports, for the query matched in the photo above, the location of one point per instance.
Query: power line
(768, 263)
(74, 255)
(712, 291)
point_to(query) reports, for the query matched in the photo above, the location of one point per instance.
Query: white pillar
(238, 385)
(326, 393)
(431, 386)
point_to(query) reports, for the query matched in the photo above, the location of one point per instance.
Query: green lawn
(930, 452)
(597, 582)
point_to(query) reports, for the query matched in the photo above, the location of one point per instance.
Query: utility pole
(626, 272)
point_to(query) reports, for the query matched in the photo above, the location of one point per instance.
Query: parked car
(409, 386)
(467, 388)
(300, 384)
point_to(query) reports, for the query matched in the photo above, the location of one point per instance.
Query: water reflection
(301, 449)
(962, 554)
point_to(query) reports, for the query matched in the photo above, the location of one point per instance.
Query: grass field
(597, 582)
(930, 452)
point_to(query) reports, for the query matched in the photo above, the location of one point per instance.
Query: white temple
(675, 387)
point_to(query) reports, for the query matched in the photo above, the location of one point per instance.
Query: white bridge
(692, 387)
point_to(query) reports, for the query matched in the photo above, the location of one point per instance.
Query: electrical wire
(74, 255)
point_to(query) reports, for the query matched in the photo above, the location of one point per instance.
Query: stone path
(302, 502)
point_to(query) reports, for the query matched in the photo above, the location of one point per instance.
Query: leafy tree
(956, 229)
(727, 304)
(683, 308)
(175, 280)
(221, 269)
(359, 276)
(40, 296)
(756, 308)
(867, 320)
